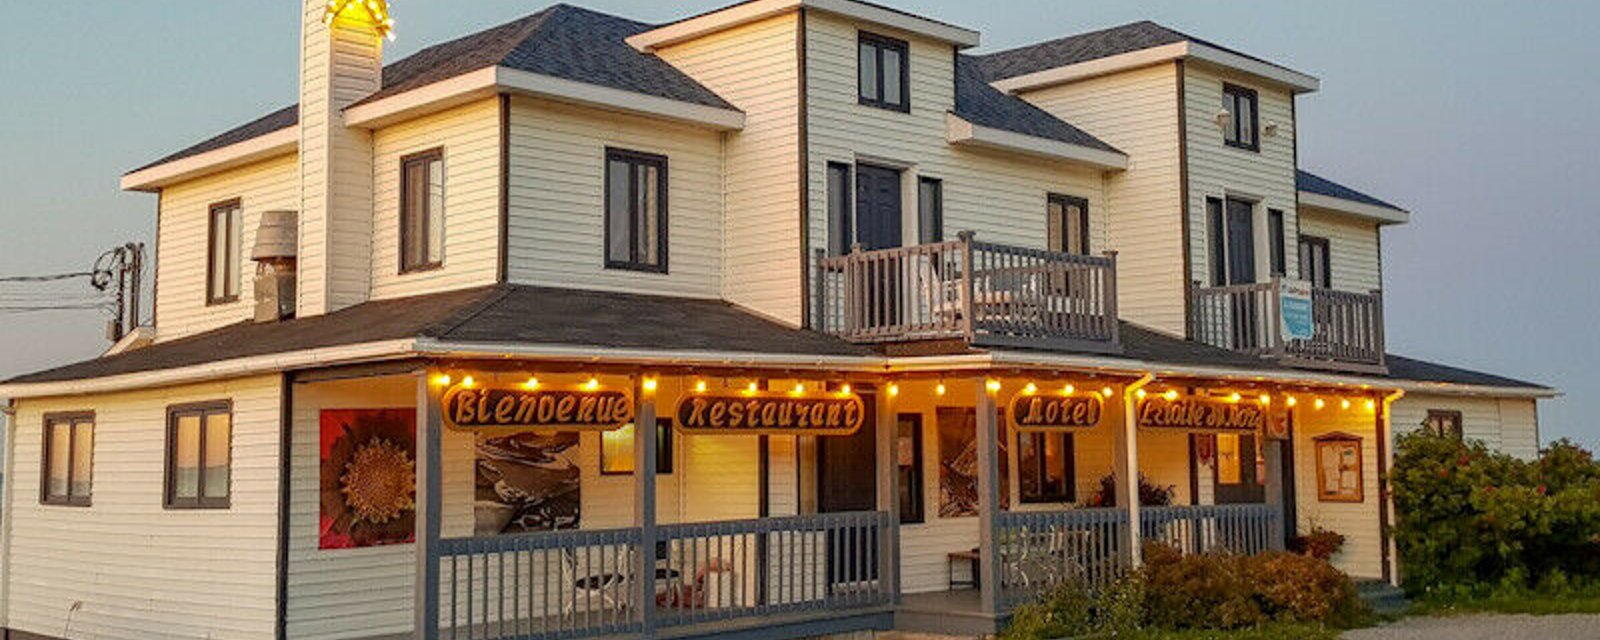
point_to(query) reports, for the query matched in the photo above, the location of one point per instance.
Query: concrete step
(1384, 598)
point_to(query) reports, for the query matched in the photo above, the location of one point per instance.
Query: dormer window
(422, 211)
(885, 76)
(223, 255)
(1243, 126)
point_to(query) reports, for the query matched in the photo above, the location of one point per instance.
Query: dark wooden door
(846, 482)
(878, 207)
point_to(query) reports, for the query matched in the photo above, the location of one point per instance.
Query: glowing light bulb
(1320, 404)
(993, 386)
(1171, 395)
(1030, 389)
(752, 387)
(650, 384)
(799, 389)
(844, 390)
(894, 389)
(442, 380)
(531, 384)
(1266, 399)
(940, 390)
(1235, 397)
(1106, 392)
(1141, 393)
(1067, 390)
(467, 382)
(1291, 401)
(592, 384)
(1372, 406)
(700, 386)
(1344, 404)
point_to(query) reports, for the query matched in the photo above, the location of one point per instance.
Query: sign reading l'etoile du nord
(1201, 414)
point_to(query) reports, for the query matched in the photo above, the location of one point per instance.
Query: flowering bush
(1471, 520)
(1320, 543)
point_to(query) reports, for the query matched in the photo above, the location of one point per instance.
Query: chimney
(274, 255)
(341, 62)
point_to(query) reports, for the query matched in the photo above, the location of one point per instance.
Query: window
(636, 211)
(1275, 227)
(1444, 423)
(930, 210)
(199, 455)
(1045, 467)
(840, 199)
(908, 460)
(1231, 233)
(1314, 262)
(422, 211)
(884, 73)
(1243, 121)
(1068, 224)
(68, 459)
(222, 267)
(616, 450)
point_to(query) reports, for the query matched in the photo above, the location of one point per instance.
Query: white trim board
(748, 12)
(276, 143)
(962, 132)
(1383, 215)
(1298, 82)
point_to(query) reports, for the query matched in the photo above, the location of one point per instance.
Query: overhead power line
(47, 278)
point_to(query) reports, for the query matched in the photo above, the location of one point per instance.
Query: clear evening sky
(1482, 118)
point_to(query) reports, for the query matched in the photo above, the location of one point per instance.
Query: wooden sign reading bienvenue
(1201, 414)
(1042, 412)
(771, 414)
(466, 408)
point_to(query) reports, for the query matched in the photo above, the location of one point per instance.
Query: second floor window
(68, 459)
(199, 455)
(1314, 262)
(1243, 120)
(1275, 242)
(422, 211)
(885, 75)
(636, 211)
(223, 259)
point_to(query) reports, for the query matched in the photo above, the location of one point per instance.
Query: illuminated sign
(467, 408)
(771, 414)
(1041, 412)
(1201, 414)
(374, 13)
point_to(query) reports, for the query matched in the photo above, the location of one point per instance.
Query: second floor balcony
(1347, 327)
(979, 292)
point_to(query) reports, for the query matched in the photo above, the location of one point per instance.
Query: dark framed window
(199, 455)
(1068, 224)
(1243, 119)
(908, 463)
(616, 450)
(67, 475)
(422, 211)
(1275, 228)
(841, 200)
(636, 211)
(1315, 264)
(1230, 230)
(1046, 468)
(1444, 423)
(930, 210)
(223, 258)
(884, 71)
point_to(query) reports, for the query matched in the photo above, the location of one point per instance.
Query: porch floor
(955, 612)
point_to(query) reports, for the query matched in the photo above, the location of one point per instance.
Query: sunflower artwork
(368, 486)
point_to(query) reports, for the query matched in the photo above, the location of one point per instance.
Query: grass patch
(1533, 604)
(1272, 631)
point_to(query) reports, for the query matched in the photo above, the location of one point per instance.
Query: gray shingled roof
(1312, 183)
(1084, 47)
(562, 41)
(981, 104)
(1403, 368)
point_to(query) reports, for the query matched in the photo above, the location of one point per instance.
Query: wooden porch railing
(1042, 550)
(577, 584)
(982, 292)
(1245, 318)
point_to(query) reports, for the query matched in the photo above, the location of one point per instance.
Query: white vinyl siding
(1504, 424)
(139, 570)
(755, 67)
(1353, 249)
(469, 139)
(1136, 112)
(1217, 170)
(183, 233)
(1003, 197)
(558, 181)
(1356, 521)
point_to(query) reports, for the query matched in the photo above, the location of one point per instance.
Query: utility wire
(47, 278)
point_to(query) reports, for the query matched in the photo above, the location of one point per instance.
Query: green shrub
(1321, 543)
(1470, 521)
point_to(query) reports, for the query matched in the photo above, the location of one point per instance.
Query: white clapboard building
(906, 325)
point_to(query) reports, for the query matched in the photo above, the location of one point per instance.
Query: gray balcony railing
(964, 289)
(1246, 318)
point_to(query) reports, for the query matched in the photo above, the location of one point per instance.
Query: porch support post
(644, 502)
(1129, 472)
(428, 513)
(988, 443)
(888, 466)
(1272, 452)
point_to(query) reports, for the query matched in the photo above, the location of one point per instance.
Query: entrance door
(847, 481)
(1233, 262)
(879, 226)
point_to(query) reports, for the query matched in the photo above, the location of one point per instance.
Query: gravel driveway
(1485, 627)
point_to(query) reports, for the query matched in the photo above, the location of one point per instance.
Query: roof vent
(277, 246)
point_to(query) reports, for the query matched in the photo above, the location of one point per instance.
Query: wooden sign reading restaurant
(1201, 414)
(771, 414)
(465, 407)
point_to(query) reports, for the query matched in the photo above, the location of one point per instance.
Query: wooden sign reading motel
(1038, 412)
(771, 414)
(469, 408)
(1201, 414)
